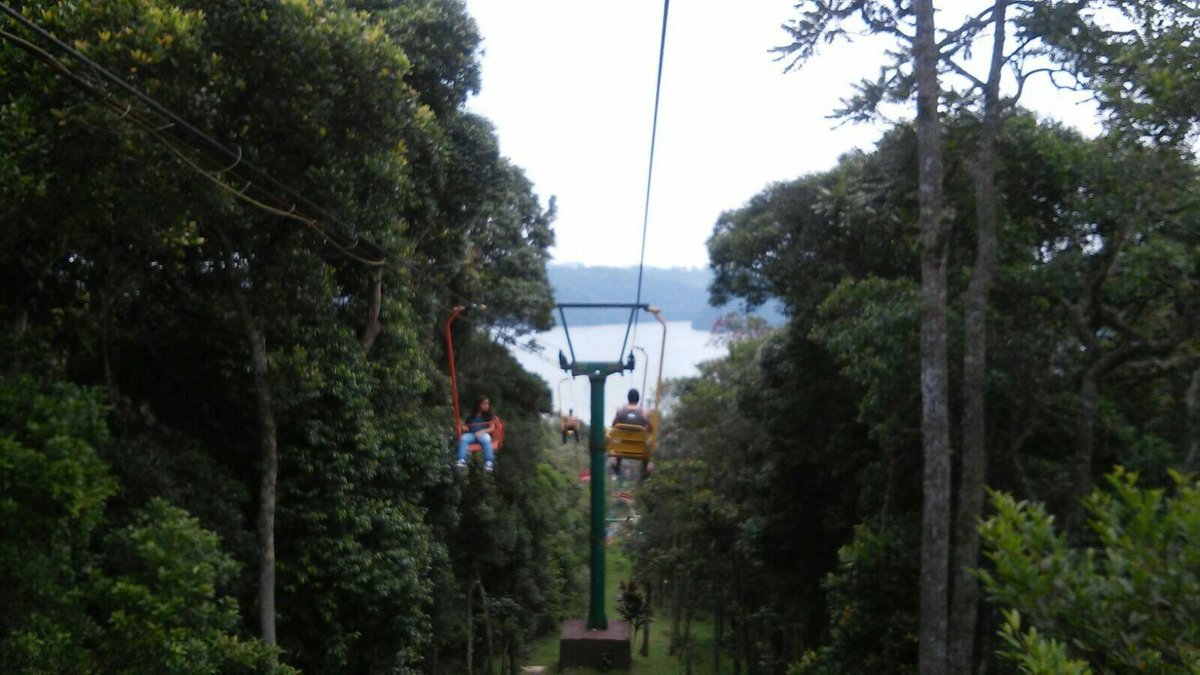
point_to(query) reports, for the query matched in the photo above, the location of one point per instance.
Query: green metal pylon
(597, 373)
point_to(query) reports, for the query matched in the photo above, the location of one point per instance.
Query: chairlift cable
(234, 155)
(662, 46)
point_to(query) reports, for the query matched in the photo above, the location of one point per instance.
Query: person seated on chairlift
(630, 413)
(570, 423)
(633, 413)
(478, 428)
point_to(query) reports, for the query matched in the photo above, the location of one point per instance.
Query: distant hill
(682, 293)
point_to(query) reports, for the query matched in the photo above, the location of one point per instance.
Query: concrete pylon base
(579, 647)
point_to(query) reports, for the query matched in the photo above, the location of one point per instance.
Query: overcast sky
(570, 88)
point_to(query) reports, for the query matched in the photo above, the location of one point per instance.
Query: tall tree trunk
(487, 623)
(371, 331)
(747, 649)
(736, 654)
(20, 324)
(268, 433)
(1085, 430)
(647, 620)
(470, 628)
(935, 423)
(676, 617)
(1193, 422)
(110, 379)
(435, 653)
(889, 486)
(687, 636)
(718, 628)
(270, 469)
(964, 608)
(1020, 476)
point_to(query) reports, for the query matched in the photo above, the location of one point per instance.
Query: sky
(569, 87)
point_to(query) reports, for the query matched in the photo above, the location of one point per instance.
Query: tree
(751, 496)
(972, 465)
(823, 21)
(53, 491)
(1137, 58)
(871, 629)
(1098, 57)
(821, 244)
(87, 593)
(205, 318)
(935, 403)
(158, 592)
(1124, 603)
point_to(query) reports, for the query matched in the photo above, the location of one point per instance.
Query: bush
(81, 597)
(1126, 604)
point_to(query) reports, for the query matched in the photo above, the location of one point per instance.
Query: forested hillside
(985, 303)
(682, 292)
(224, 416)
(232, 234)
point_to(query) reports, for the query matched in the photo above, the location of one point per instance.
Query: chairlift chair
(498, 434)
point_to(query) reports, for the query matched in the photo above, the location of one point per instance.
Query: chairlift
(498, 435)
(628, 441)
(568, 424)
(636, 441)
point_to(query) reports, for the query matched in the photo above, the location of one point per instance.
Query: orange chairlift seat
(498, 434)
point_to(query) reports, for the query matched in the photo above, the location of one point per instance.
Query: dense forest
(224, 430)
(225, 415)
(972, 447)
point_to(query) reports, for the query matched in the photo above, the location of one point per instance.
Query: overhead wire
(662, 47)
(239, 163)
(127, 112)
(290, 214)
(181, 123)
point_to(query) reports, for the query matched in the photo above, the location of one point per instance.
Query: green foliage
(870, 597)
(732, 523)
(126, 272)
(82, 595)
(1137, 56)
(871, 327)
(1127, 602)
(1097, 278)
(156, 591)
(797, 241)
(53, 486)
(1033, 653)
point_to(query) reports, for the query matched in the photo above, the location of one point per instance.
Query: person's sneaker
(488, 466)
(460, 464)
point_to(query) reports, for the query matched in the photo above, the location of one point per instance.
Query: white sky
(570, 88)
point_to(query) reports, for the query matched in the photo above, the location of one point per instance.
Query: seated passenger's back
(629, 415)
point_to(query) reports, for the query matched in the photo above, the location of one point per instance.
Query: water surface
(686, 348)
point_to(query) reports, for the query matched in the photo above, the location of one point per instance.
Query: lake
(686, 348)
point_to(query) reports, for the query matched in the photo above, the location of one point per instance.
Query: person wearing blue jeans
(478, 428)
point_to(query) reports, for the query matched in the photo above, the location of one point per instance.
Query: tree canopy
(234, 349)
